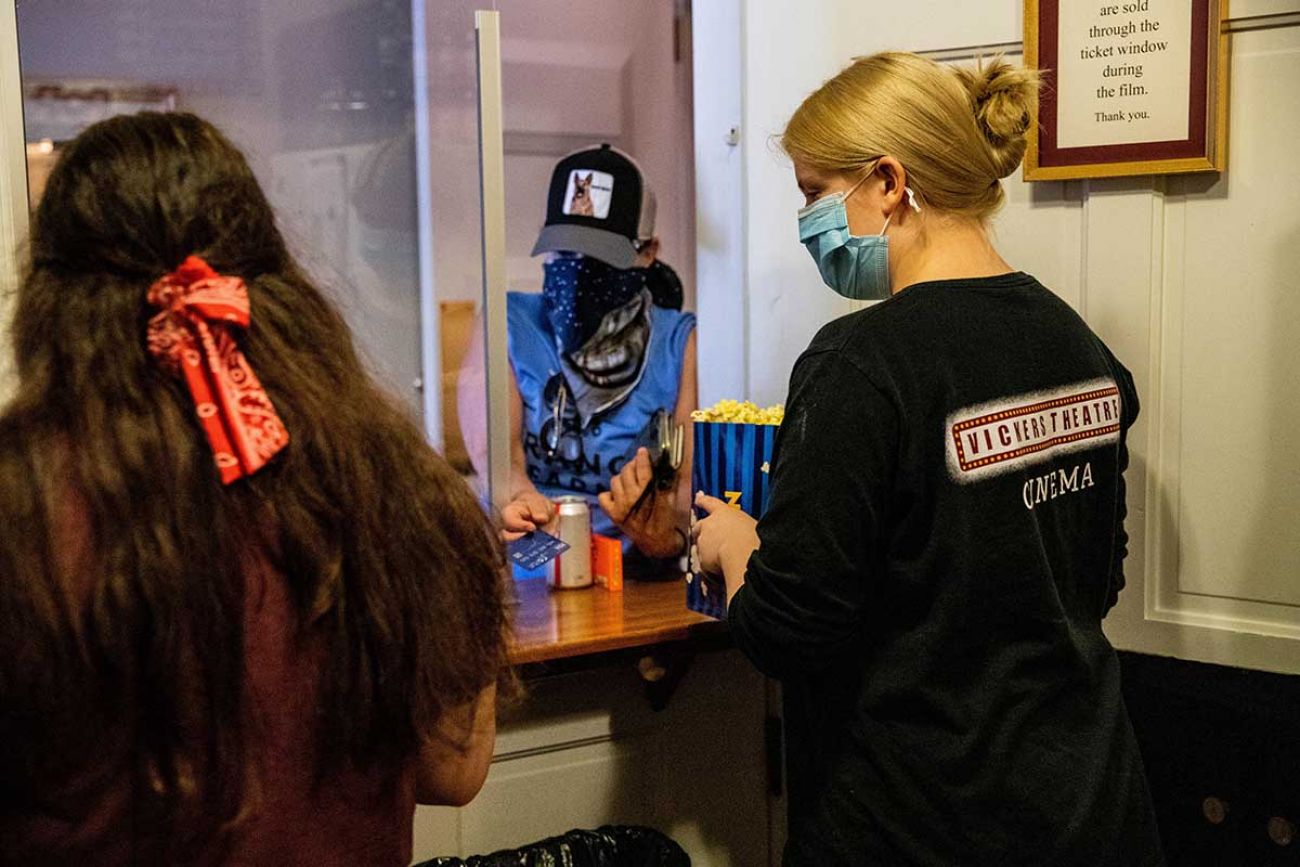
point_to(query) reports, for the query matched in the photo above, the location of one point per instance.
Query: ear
(894, 177)
(648, 253)
(587, 179)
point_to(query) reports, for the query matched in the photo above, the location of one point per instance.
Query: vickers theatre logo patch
(1004, 435)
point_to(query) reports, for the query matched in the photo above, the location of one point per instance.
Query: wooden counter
(560, 624)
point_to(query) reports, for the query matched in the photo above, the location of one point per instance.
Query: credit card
(535, 549)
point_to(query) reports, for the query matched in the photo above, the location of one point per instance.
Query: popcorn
(742, 412)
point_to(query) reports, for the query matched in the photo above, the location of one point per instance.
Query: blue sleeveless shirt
(605, 443)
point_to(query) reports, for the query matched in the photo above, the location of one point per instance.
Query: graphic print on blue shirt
(572, 460)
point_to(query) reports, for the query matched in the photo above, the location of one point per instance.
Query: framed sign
(1130, 87)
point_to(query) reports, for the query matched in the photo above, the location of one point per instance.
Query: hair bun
(1002, 95)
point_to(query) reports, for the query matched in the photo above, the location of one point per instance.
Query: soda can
(572, 569)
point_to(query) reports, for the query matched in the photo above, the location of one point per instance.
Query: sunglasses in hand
(664, 439)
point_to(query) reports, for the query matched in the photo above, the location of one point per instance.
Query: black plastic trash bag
(607, 846)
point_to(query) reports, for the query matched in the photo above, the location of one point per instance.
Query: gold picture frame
(1205, 149)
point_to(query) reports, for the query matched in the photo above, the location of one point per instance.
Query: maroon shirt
(347, 819)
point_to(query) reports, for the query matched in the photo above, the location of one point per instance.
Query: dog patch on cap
(588, 194)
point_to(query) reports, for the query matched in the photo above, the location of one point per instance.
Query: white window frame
(13, 185)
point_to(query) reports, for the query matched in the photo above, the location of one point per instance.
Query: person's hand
(653, 528)
(724, 539)
(524, 514)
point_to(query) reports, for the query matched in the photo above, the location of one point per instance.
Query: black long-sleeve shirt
(944, 536)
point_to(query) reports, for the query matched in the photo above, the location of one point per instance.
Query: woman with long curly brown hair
(247, 615)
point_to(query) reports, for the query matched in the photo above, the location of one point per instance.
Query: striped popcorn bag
(732, 462)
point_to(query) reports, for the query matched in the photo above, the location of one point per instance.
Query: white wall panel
(927, 25)
(1241, 320)
(587, 749)
(1040, 230)
(1225, 494)
(527, 799)
(720, 183)
(790, 49)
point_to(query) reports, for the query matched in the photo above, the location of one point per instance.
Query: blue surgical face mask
(855, 266)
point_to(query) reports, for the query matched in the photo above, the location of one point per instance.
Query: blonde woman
(945, 532)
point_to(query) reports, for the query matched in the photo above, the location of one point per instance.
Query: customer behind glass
(247, 615)
(945, 531)
(593, 357)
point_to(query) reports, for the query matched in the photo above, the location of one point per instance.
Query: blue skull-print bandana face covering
(600, 317)
(578, 292)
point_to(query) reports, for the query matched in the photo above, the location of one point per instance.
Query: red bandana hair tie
(193, 338)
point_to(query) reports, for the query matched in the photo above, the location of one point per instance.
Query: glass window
(360, 117)
(320, 95)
